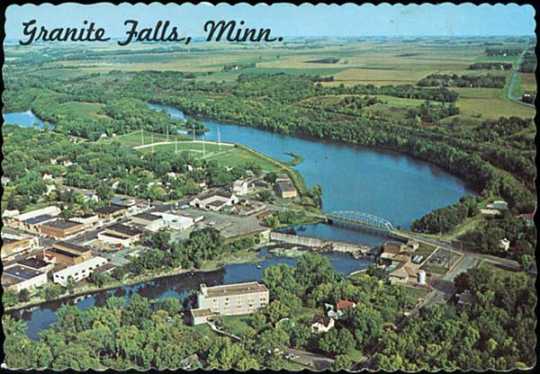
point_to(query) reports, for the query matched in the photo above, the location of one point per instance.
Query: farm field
(489, 103)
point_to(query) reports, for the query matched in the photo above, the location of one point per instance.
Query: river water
(393, 186)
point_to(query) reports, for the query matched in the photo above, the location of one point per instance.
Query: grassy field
(489, 103)
(136, 139)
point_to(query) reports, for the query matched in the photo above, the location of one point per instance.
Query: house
(60, 229)
(321, 324)
(19, 277)
(285, 188)
(111, 212)
(79, 271)
(402, 275)
(504, 244)
(229, 300)
(215, 200)
(498, 204)
(65, 253)
(344, 305)
(13, 245)
(241, 187)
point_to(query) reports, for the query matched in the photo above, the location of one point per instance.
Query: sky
(289, 20)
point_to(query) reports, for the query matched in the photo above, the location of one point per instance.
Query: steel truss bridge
(361, 221)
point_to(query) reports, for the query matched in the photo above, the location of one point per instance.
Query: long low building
(20, 277)
(65, 253)
(61, 229)
(229, 300)
(120, 235)
(13, 245)
(79, 271)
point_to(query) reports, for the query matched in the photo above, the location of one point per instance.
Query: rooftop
(34, 262)
(202, 312)
(123, 229)
(285, 185)
(39, 219)
(72, 247)
(147, 216)
(110, 209)
(62, 224)
(235, 289)
(21, 272)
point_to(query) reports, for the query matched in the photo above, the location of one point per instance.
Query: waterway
(393, 186)
(23, 119)
(178, 286)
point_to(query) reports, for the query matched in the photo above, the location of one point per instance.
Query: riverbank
(243, 256)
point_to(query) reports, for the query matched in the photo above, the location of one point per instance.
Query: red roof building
(345, 305)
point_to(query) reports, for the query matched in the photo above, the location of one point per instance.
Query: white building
(229, 300)
(52, 211)
(504, 244)
(241, 187)
(19, 277)
(322, 324)
(214, 201)
(176, 221)
(78, 272)
(87, 220)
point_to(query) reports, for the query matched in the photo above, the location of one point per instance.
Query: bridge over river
(361, 221)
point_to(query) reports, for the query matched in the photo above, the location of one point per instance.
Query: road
(310, 359)
(513, 82)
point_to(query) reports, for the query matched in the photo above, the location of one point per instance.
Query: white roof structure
(49, 210)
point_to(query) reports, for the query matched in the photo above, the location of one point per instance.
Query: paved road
(313, 360)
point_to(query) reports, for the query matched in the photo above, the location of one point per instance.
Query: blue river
(390, 185)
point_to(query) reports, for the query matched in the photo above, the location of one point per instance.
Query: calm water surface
(393, 186)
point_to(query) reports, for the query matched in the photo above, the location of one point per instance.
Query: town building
(87, 220)
(52, 211)
(285, 188)
(13, 245)
(145, 219)
(176, 221)
(241, 187)
(79, 271)
(65, 253)
(120, 235)
(402, 275)
(111, 212)
(229, 300)
(37, 263)
(19, 277)
(125, 202)
(214, 200)
(60, 229)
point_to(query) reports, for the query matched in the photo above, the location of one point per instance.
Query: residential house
(321, 324)
(285, 188)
